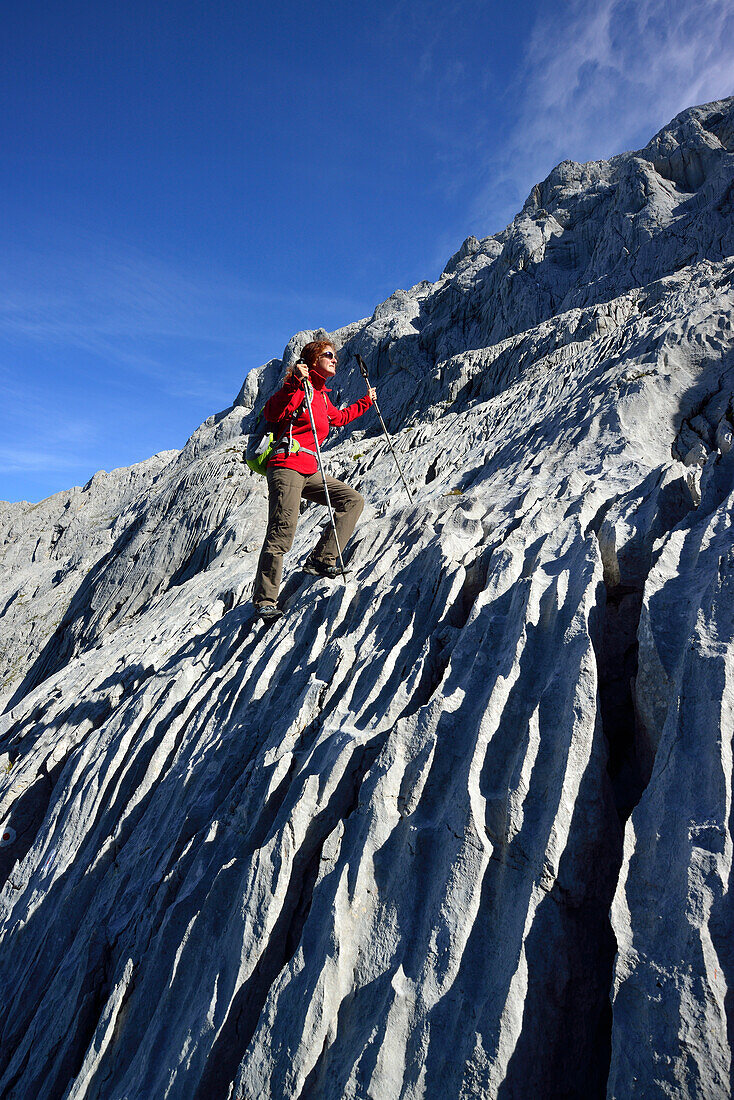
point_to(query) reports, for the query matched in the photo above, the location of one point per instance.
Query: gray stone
(460, 827)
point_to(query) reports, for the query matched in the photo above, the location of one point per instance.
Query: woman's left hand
(372, 392)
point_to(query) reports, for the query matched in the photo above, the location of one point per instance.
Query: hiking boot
(318, 568)
(268, 611)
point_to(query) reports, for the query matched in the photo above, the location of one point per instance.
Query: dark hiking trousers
(285, 489)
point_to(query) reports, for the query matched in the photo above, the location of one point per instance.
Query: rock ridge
(461, 827)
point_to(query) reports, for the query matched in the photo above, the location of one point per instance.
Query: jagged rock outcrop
(48, 548)
(461, 827)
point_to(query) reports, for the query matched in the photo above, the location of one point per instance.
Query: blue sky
(185, 184)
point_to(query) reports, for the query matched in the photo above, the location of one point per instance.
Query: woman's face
(325, 365)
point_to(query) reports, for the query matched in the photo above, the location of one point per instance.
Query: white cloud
(134, 310)
(602, 78)
(19, 461)
(58, 442)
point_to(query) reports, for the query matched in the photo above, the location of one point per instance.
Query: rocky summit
(461, 826)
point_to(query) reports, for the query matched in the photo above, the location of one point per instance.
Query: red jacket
(291, 396)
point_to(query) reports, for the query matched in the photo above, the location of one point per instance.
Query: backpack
(262, 443)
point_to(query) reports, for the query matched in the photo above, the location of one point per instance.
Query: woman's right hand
(301, 371)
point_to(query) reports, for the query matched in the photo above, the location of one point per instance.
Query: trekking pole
(309, 391)
(363, 369)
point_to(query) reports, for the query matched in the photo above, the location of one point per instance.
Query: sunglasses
(328, 355)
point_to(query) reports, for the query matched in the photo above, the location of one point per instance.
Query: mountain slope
(461, 827)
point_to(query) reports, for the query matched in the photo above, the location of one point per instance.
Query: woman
(293, 473)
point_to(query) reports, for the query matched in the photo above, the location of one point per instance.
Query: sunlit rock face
(462, 826)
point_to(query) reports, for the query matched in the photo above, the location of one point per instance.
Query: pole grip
(363, 368)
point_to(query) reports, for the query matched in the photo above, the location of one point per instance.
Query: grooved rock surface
(461, 827)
